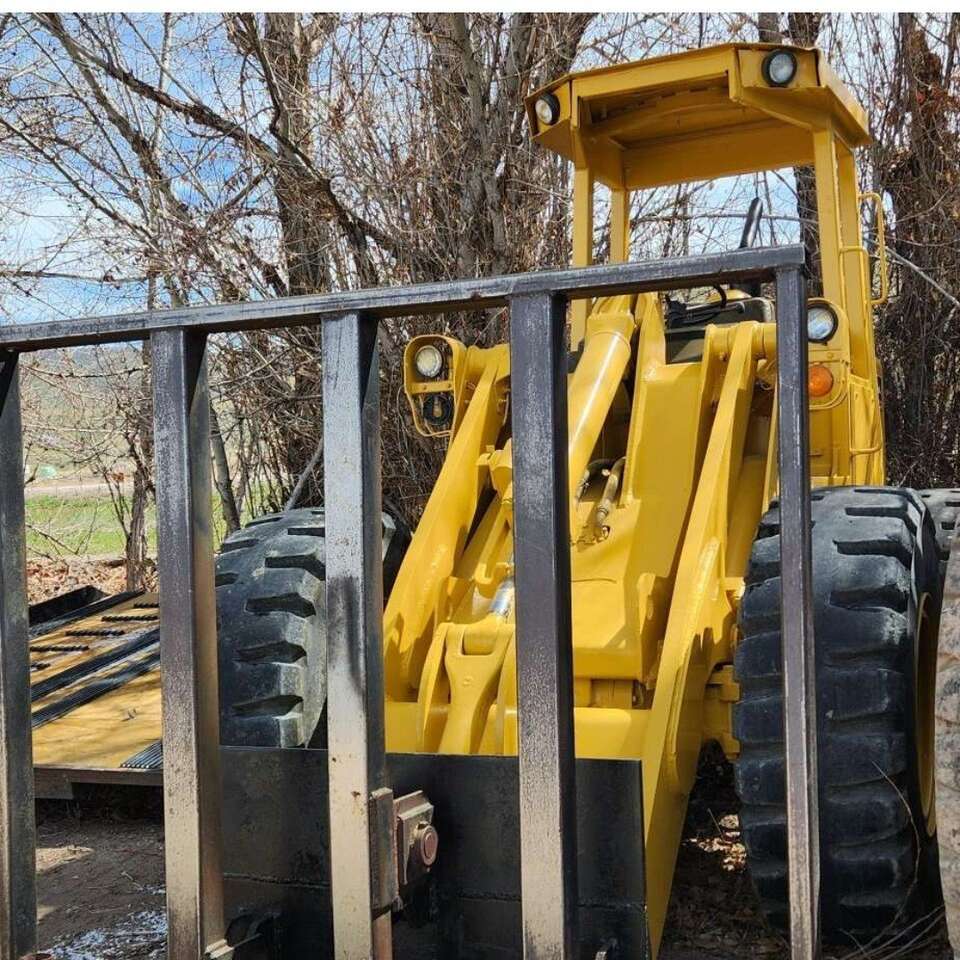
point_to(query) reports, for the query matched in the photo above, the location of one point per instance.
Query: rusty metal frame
(188, 645)
(796, 619)
(18, 834)
(188, 637)
(541, 534)
(361, 803)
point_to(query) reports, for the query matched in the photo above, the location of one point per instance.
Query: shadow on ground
(100, 875)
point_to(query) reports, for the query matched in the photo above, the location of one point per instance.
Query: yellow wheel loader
(674, 535)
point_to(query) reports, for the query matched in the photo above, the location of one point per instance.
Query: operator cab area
(700, 116)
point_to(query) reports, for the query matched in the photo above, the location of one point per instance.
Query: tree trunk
(140, 444)
(768, 27)
(135, 552)
(221, 474)
(804, 31)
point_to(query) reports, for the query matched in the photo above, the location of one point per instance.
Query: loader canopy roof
(698, 115)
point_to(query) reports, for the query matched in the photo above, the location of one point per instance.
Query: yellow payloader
(674, 533)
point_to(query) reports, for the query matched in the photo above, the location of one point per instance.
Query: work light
(429, 362)
(779, 67)
(821, 323)
(548, 109)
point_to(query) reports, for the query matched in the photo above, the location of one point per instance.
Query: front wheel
(876, 599)
(271, 626)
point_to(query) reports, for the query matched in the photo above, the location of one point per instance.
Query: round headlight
(548, 109)
(429, 362)
(821, 323)
(779, 67)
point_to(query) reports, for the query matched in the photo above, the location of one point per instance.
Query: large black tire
(944, 507)
(272, 630)
(875, 597)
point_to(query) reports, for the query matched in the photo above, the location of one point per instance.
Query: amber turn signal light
(819, 380)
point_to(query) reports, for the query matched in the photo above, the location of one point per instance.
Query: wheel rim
(926, 681)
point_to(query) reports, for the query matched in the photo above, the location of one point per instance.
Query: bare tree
(195, 158)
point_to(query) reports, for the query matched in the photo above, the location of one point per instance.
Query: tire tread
(873, 548)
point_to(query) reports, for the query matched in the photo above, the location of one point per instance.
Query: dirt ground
(100, 876)
(48, 577)
(100, 883)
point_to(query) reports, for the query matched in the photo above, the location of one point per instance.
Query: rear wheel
(272, 627)
(875, 599)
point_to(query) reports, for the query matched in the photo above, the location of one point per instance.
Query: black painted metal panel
(278, 855)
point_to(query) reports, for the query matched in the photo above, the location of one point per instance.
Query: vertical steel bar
(362, 883)
(18, 895)
(799, 699)
(188, 647)
(548, 842)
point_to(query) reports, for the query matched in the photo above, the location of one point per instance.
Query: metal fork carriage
(508, 872)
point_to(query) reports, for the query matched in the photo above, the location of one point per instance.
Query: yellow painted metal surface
(105, 732)
(695, 116)
(113, 727)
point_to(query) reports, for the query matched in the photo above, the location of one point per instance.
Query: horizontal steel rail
(449, 295)
(359, 793)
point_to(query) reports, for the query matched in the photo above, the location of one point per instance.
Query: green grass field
(86, 525)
